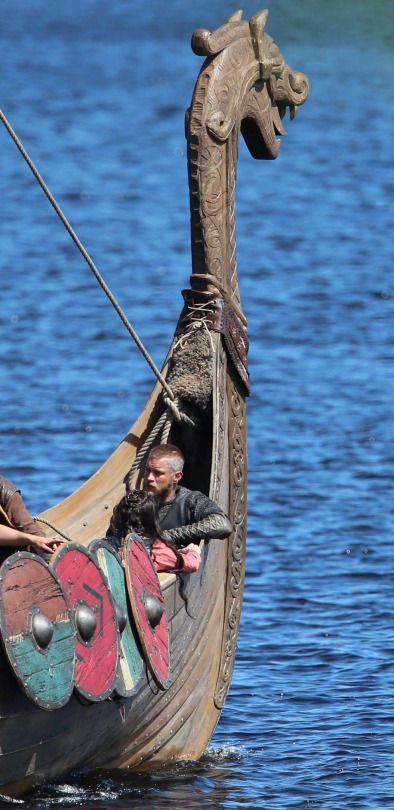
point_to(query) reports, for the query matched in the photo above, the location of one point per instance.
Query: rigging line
(51, 526)
(86, 256)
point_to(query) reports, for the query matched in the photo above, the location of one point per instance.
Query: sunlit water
(97, 92)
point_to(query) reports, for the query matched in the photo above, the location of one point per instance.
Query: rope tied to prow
(197, 319)
(160, 431)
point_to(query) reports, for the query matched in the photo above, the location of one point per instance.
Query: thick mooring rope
(161, 428)
(132, 475)
(87, 257)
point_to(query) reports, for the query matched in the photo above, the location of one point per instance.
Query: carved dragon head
(250, 83)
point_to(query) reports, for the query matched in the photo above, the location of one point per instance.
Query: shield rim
(122, 692)
(162, 683)
(4, 568)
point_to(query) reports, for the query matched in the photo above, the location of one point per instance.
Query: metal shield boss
(147, 604)
(37, 630)
(130, 664)
(94, 621)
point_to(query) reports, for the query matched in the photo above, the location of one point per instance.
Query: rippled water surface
(97, 92)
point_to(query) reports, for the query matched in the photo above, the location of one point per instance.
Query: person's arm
(15, 538)
(166, 558)
(20, 517)
(207, 521)
(215, 525)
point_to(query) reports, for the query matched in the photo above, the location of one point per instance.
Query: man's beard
(161, 496)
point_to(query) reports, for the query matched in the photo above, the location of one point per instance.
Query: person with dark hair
(18, 530)
(184, 515)
(137, 512)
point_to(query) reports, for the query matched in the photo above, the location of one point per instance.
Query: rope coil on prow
(190, 378)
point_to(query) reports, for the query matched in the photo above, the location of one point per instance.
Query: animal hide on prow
(191, 372)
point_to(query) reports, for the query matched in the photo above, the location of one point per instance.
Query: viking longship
(105, 664)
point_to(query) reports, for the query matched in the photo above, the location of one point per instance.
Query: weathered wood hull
(152, 727)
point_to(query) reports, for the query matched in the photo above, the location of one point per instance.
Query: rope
(223, 292)
(51, 526)
(5, 516)
(131, 476)
(163, 427)
(166, 430)
(173, 405)
(86, 256)
(196, 318)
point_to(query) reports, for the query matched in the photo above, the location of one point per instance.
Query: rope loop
(180, 416)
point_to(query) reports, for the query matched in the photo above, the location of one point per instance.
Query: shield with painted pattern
(93, 613)
(37, 630)
(130, 662)
(147, 604)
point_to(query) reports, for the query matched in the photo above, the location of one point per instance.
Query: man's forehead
(157, 463)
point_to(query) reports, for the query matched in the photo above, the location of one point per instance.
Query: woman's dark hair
(137, 512)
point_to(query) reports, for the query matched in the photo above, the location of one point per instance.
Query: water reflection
(211, 782)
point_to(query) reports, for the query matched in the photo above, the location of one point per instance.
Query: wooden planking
(175, 725)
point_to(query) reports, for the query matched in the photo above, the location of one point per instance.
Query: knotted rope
(161, 429)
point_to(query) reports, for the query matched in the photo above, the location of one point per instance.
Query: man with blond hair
(185, 516)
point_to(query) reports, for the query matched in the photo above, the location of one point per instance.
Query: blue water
(97, 92)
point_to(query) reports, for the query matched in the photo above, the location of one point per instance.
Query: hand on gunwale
(45, 545)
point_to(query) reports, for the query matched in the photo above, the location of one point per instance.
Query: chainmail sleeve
(200, 506)
(216, 524)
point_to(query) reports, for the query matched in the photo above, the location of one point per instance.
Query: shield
(94, 620)
(37, 630)
(130, 663)
(147, 604)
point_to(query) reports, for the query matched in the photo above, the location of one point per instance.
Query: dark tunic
(188, 506)
(192, 516)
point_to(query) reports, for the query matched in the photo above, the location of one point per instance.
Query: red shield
(94, 619)
(37, 630)
(147, 604)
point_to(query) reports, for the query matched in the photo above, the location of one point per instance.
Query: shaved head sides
(172, 455)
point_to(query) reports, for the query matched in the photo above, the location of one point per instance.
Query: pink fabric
(166, 559)
(191, 558)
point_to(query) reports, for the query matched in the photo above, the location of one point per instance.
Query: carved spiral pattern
(243, 82)
(221, 421)
(237, 544)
